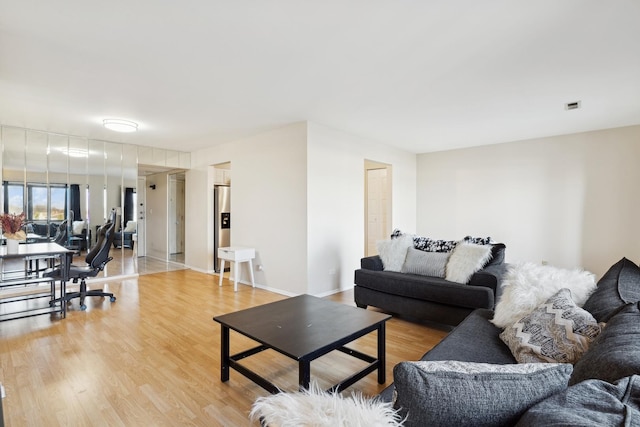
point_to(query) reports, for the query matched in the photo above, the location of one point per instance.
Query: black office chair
(62, 234)
(96, 260)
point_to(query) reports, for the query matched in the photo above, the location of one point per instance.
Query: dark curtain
(129, 209)
(5, 188)
(74, 201)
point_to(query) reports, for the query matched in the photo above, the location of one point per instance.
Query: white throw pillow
(77, 227)
(465, 260)
(393, 252)
(131, 227)
(527, 285)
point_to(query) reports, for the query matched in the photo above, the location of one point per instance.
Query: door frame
(374, 165)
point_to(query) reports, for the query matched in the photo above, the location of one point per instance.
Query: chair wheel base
(112, 299)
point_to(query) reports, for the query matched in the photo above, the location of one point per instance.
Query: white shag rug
(317, 408)
(527, 285)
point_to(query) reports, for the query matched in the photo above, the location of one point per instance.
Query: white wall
(268, 205)
(297, 196)
(569, 200)
(157, 216)
(335, 193)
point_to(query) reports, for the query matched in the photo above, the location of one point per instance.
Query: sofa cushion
(462, 343)
(497, 254)
(394, 251)
(433, 289)
(453, 393)
(527, 285)
(619, 285)
(465, 260)
(590, 403)
(615, 353)
(557, 331)
(425, 263)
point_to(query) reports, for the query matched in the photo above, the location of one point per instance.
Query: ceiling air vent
(572, 105)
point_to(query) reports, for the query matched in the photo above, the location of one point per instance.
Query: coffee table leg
(224, 356)
(382, 363)
(304, 374)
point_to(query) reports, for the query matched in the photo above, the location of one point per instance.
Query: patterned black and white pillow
(430, 245)
(557, 331)
(396, 233)
(442, 245)
(478, 240)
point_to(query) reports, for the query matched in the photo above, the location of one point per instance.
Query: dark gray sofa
(425, 297)
(604, 384)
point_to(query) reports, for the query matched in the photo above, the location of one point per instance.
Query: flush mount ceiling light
(120, 125)
(74, 152)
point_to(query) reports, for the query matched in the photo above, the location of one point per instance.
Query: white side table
(236, 254)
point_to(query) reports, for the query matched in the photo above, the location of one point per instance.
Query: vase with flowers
(12, 230)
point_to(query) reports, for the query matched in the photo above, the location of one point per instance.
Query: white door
(378, 211)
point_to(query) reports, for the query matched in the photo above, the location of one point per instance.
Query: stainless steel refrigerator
(221, 221)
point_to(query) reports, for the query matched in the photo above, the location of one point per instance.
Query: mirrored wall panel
(68, 186)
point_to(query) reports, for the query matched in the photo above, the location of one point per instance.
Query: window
(58, 200)
(14, 198)
(38, 203)
(43, 202)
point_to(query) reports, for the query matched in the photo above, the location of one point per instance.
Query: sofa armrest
(372, 263)
(490, 277)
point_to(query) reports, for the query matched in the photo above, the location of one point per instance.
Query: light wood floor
(126, 262)
(152, 358)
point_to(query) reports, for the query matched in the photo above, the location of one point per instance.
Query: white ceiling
(418, 74)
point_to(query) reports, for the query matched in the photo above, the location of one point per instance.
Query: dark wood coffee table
(303, 328)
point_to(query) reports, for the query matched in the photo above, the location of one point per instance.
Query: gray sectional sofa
(428, 298)
(601, 388)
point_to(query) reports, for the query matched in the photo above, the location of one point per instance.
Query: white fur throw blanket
(316, 408)
(527, 285)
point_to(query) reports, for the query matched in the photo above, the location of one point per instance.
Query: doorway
(377, 207)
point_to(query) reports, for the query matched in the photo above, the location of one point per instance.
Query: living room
(476, 130)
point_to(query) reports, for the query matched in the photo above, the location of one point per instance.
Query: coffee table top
(302, 326)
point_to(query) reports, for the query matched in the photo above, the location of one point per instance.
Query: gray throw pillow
(425, 263)
(557, 331)
(619, 285)
(615, 353)
(590, 403)
(451, 393)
